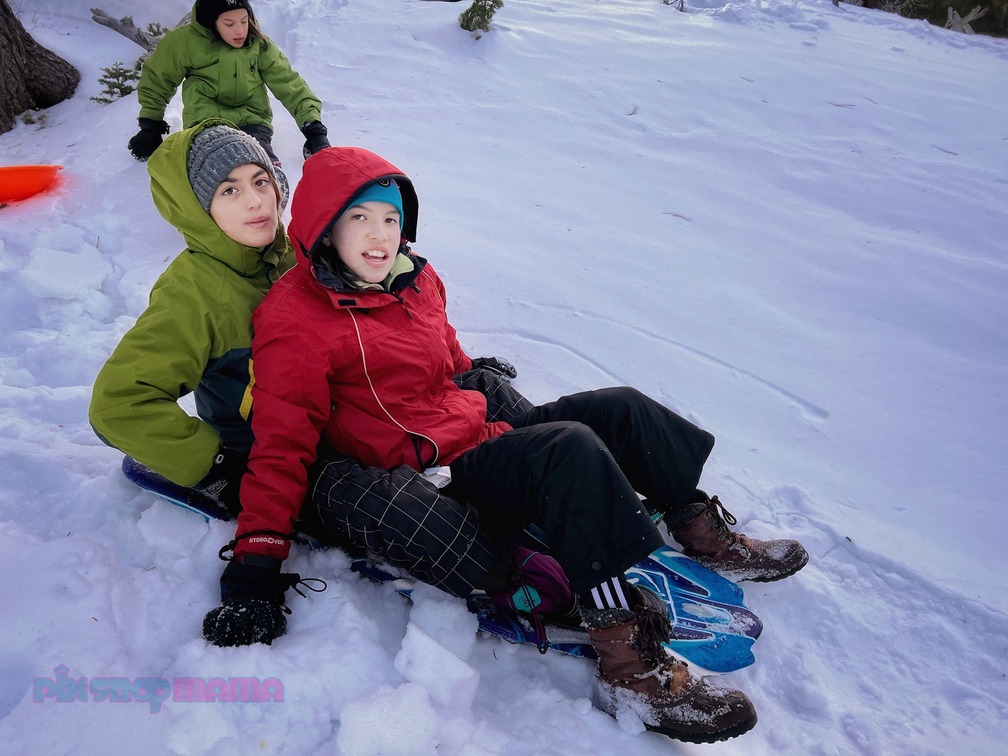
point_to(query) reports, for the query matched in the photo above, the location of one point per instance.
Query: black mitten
(496, 364)
(252, 610)
(315, 138)
(148, 139)
(223, 482)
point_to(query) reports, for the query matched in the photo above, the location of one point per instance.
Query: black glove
(148, 139)
(315, 138)
(497, 365)
(252, 596)
(223, 482)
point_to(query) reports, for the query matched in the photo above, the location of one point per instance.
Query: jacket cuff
(264, 545)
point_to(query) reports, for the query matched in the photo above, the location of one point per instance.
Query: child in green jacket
(225, 65)
(195, 335)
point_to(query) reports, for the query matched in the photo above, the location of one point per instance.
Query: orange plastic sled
(18, 182)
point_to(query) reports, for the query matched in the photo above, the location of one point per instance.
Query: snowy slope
(784, 220)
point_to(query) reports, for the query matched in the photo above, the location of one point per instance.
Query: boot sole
(778, 577)
(742, 577)
(701, 737)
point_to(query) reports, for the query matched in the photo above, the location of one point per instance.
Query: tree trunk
(126, 27)
(31, 77)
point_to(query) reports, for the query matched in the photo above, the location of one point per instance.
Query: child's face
(233, 27)
(366, 238)
(245, 206)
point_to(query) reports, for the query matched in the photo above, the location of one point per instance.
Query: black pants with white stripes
(574, 468)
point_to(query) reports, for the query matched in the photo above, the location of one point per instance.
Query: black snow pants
(574, 468)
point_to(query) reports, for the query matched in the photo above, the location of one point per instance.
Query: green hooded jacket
(195, 335)
(220, 81)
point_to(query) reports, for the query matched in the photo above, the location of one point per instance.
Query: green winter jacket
(220, 81)
(195, 335)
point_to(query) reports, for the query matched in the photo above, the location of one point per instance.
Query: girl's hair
(255, 33)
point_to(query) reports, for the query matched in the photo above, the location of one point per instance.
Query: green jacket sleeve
(288, 87)
(134, 404)
(161, 76)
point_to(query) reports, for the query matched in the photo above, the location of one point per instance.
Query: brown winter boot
(707, 539)
(636, 672)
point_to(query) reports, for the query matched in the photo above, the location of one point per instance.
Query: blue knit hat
(383, 190)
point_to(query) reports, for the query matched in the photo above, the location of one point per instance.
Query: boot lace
(653, 629)
(722, 519)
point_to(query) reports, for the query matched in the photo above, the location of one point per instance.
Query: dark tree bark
(31, 77)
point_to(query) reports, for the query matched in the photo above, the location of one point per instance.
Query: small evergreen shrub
(118, 81)
(477, 17)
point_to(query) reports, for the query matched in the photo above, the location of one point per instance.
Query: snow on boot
(707, 539)
(637, 673)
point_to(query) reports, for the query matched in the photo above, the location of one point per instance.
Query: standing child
(225, 66)
(354, 346)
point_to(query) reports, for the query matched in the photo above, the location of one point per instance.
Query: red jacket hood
(329, 180)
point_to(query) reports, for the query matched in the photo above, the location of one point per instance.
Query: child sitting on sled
(353, 347)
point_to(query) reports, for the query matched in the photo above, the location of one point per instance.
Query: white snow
(785, 220)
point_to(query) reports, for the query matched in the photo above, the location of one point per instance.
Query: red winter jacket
(367, 370)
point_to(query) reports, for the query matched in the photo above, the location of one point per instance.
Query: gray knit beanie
(215, 152)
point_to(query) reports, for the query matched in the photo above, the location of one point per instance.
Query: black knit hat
(207, 12)
(215, 152)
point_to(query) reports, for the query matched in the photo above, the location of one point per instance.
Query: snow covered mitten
(244, 622)
(252, 597)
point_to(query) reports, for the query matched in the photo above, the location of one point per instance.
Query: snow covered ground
(785, 220)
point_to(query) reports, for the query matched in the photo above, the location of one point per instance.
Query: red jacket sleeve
(290, 405)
